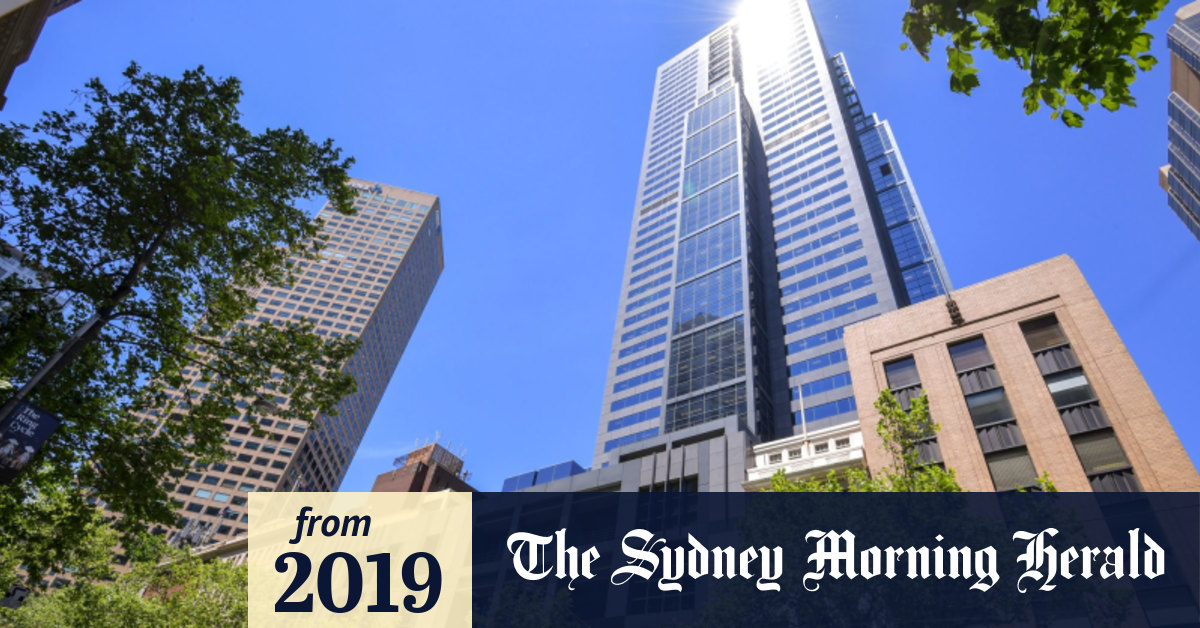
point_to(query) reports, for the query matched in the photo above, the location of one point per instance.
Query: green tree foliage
(185, 592)
(152, 215)
(1076, 52)
(901, 432)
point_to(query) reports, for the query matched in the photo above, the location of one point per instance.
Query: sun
(765, 31)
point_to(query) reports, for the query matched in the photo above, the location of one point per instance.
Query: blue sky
(528, 118)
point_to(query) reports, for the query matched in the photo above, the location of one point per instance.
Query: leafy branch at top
(1076, 52)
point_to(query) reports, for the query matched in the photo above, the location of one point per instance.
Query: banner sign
(723, 559)
(21, 436)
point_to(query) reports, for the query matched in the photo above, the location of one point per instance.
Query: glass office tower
(770, 212)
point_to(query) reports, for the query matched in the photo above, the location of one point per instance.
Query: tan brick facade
(995, 309)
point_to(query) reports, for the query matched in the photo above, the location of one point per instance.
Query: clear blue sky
(527, 118)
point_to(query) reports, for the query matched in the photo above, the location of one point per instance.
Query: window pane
(1069, 387)
(1043, 332)
(971, 354)
(902, 373)
(1099, 452)
(989, 407)
(1011, 469)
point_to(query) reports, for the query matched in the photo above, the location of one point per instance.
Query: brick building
(429, 469)
(1025, 374)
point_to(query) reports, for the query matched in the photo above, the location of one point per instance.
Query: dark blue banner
(792, 559)
(21, 435)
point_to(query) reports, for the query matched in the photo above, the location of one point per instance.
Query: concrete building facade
(1028, 377)
(373, 279)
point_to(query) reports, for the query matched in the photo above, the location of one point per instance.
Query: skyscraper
(375, 275)
(770, 212)
(1181, 176)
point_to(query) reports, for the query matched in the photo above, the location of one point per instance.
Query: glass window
(902, 373)
(1069, 387)
(1042, 333)
(971, 354)
(989, 407)
(1011, 469)
(203, 493)
(1099, 452)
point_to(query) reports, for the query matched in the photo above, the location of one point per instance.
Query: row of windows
(801, 118)
(793, 144)
(723, 132)
(821, 180)
(629, 440)
(707, 357)
(771, 94)
(819, 362)
(647, 218)
(636, 279)
(811, 245)
(640, 362)
(641, 346)
(708, 298)
(823, 276)
(633, 305)
(788, 207)
(710, 406)
(832, 313)
(825, 295)
(658, 223)
(654, 236)
(825, 384)
(709, 249)
(637, 417)
(801, 95)
(811, 229)
(712, 110)
(661, 255)
(825, 137)
(817, 260)
(796, 221)
(800, 112)
(710, 170)
(717, 202)
(827, 411)
(815, 340)
(648, 286)
(922, 282)
(775, 189)
(643, 330)
(638, 253)
(662, 307)
(909, 244)
(637, 380)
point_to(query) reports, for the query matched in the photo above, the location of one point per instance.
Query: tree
(1073, 50)
(183, 592)
(151, 215)
(901, 433)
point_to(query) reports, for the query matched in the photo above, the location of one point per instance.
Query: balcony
(801, 457)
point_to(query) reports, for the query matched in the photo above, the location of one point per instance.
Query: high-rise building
(373, 279)
(771, 211)
(1181, 176)
(1025, 375)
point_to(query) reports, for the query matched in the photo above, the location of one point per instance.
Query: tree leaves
(154, 214)
(900, 432)
(1080, 50)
